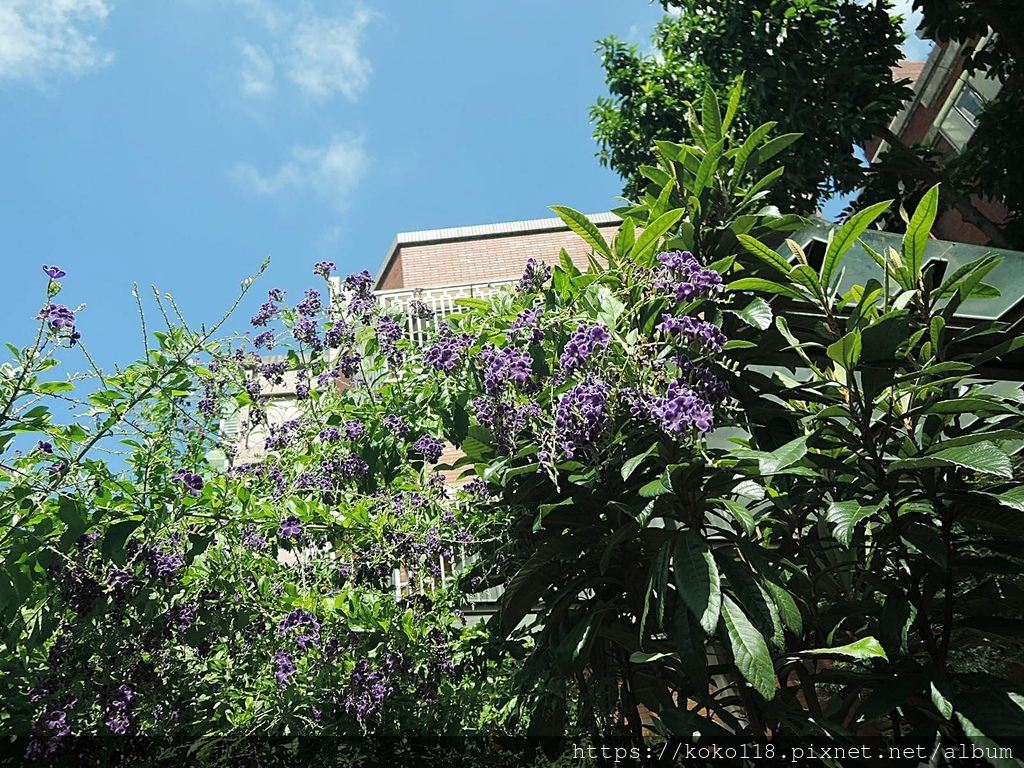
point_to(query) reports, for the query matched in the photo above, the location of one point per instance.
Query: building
(943, 115)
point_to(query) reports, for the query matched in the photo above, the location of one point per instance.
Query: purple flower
(305, 331)
(389, 333)
(430, 447)
(306, 623)
(290, 528)
(269, 308)
(527, 320)
(58, 316)
(285, 667)
(54, 272)
(476, 488)
(354, 429)
(310, 304)
(581, 417)
(330, 435)
(395, 425)
(118, 578)
(446, 352)
(45, 446)
(534, 276)
(584, 341)
(324, 268)
(693, 331)
(273, 372)
(193, 483)
(682, 275)
(682, 408)
(354, 467)
(508, 364)
(264, 340)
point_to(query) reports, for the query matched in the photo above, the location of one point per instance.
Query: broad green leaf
(711, 115)
(784, 456)
(631, 464)
(749, 649)
(944, 705)
(865, 648)
(844, 517)
(697, 579)
(741, 514)
(766, 254)
(757, 313)
(847, 350)
(708, 167)
(915, 241)
(735, 94)
(639, 657)
(984, 457)
(766, 286)
(652, 235)
(747, 149)
(771, 148)
(847, 235)
(583, 227)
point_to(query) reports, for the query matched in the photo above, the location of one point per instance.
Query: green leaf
(49, 387)
(749, 649)
(708, 167)
(844, 517)
(747, 149)
(583, 227)
(766, 286)
(652, 235)
(711, 115)
(741, 514)
(847, 235)
(766, 254)
(630, 465)
(115, 537)
(915, 241)
(735, 94)
(847, 350)
(771, 148)
(865, 648)
(757, 313)
(655, 488)
(639, 657)
(784, 456)
(984, 457)
(697, 579)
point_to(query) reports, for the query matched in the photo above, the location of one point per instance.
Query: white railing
(440, 301)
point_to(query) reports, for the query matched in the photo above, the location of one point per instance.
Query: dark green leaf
(749, 649)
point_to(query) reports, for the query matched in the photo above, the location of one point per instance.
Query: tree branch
(928, 173)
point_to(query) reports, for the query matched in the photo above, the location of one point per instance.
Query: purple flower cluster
(161, 563)
(281, 436)
(306, 624)
(420, 309)
(179, 618)
(193, 483)
(54, 272)
(430, 447)
(396, 425)
(49, 732)
(324, 268)
(273, 372)
(354, 468)
(338, 335)
(508, 364)
(118, 715)
(285, 667)
(506, 421)
(305, 331)
(706, 335)
(61, 320)
(330, 435)
(682, 408)
(290, 527)
(583, 343)
(682, 275)
(269, 308)
(446, 352)
(264, 340)
(362, 302)
(534, 276)
(389, 333)
(527, 320)
(476, 488)
(581, 417)
(354, 429)
(369, 688)
(253, 540)
(310, 304)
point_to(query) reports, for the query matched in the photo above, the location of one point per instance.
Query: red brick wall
(480, 260)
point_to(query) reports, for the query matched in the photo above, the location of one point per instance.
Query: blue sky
(179, 143)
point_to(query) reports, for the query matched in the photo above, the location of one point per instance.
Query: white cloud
(324, 56)
(331, 171)
(257, 71)
(40, 38)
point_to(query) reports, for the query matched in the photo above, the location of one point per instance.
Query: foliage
(731, 500)
(158, 607)
(819, 68)
(826, 575)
